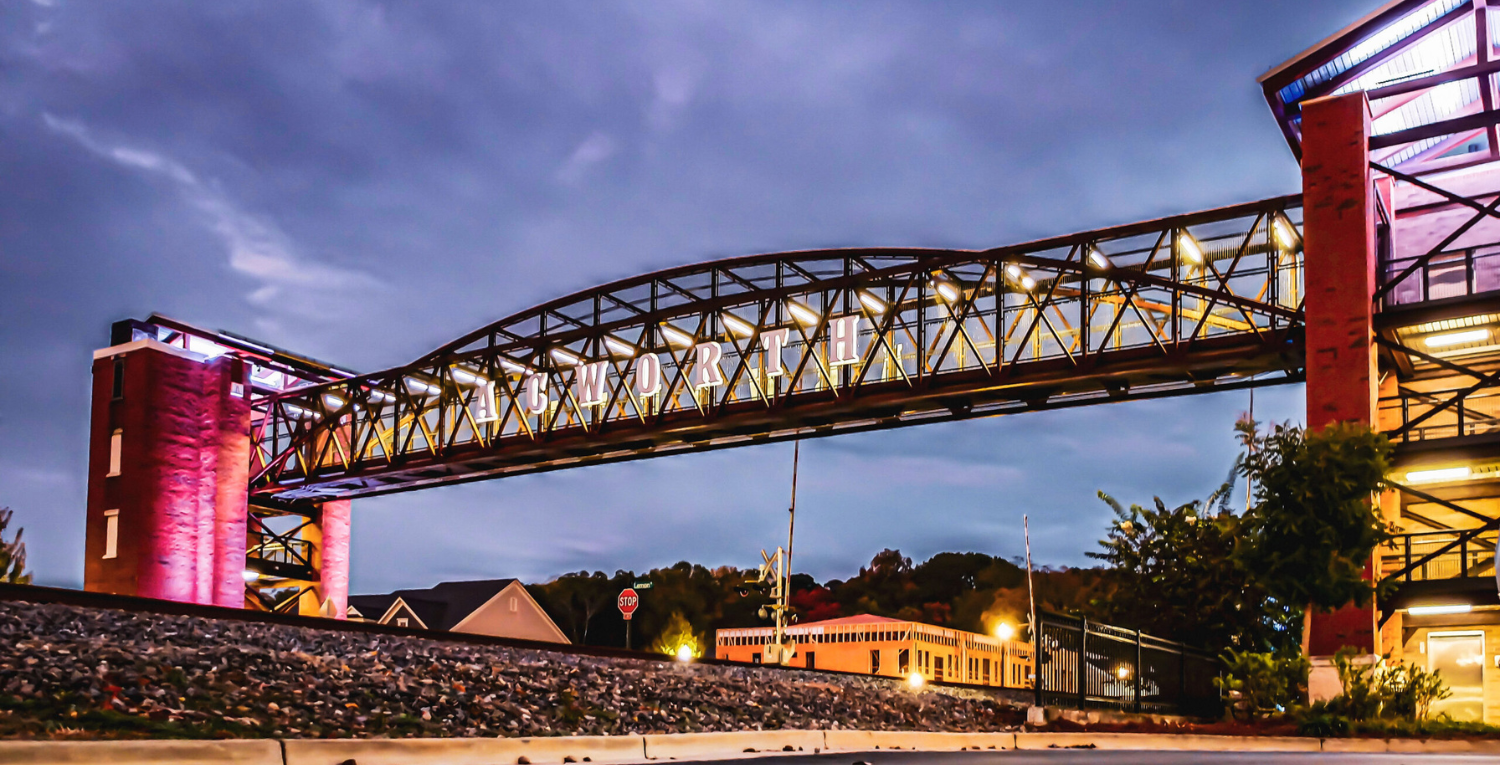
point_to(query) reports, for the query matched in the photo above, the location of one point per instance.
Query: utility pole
(1036, 628)
(777, 567)
(791, 523)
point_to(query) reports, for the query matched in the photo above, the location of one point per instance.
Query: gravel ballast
(72, 671)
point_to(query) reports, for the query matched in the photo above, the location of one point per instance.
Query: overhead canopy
(1429, 69)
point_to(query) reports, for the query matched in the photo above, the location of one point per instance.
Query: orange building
(879, 645)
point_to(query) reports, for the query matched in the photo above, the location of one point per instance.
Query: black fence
(1085, 664)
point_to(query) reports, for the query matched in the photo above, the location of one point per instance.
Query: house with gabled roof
(495, 607)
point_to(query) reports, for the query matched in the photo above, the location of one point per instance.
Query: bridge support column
(333, 559)
(168, 464)
(1339, 209)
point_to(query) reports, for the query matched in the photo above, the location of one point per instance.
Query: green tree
(12, 553)
(575, 600)
(1173, 573)
(1313, 526)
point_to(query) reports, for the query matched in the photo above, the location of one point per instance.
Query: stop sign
(628, 601)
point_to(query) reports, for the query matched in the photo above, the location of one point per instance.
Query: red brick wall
(1339, 257)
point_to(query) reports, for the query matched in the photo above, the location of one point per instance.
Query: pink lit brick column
(334, 564)
(1340, 251)
(167, 510)
(231, 484)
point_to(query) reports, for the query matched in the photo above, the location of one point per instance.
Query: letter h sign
(844, 348)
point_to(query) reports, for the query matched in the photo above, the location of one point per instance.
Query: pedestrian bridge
(794, 345)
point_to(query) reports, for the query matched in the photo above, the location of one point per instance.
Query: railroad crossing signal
(628, 602)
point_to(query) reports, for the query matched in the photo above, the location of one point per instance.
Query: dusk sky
(362, 182)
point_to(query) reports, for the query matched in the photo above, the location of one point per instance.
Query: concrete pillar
(329, 539)
(333, 568)
(1339, 215)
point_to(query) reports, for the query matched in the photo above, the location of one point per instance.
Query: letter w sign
(591, 379)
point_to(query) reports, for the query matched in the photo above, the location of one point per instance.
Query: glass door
(1459, 658)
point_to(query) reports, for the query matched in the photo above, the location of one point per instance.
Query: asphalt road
(1090, 756)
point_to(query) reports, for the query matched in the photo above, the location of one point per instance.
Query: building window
(515, 605)
(812, 660)
(937, 669)
(903, 661)
(116, 447)
(111, 534)
(875, 662)
(754, 658)
(117, 384)
(403, 622)
(985, 666)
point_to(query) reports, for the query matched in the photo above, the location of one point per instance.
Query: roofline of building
(401, 602)
(1341, 36)
(514, 583)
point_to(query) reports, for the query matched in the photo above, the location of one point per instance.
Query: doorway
(1459, 657)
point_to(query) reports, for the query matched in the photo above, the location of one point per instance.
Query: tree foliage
(1172, 573)
(12, 553)
(970, 591)
(1313, 525)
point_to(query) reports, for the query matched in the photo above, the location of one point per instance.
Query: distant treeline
(968, 591)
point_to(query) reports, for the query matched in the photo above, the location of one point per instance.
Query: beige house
(496, 607)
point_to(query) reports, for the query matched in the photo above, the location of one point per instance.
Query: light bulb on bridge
(737, 325)
(1005, 631)
(619, 347)
(802, 313)
(875, 304)
(676, 336)
(1191, 251)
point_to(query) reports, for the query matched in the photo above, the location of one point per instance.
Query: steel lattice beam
(809, 343)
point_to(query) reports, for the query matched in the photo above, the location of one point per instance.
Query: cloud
(256, 247)
(594, 149)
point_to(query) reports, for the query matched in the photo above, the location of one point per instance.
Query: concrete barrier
(1442, 746)
(1166, 741)
(552, 750)
(922, 741)
(618, 750)
(237, 752)
(1356, 745)
(719, 746)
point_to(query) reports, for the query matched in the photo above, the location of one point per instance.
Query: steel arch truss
(799, 344)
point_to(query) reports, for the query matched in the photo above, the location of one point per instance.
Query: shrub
(1379, 698)
(1411, 690)
(1316, 720)
(1259, 684)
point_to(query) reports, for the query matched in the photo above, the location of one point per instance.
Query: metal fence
(1085, 664)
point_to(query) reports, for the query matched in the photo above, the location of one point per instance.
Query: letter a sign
(628, 602)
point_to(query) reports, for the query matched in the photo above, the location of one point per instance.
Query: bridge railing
(1452, 274)
(784, 345)
(1436, 555)
(278, 554)
(1415, 416)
